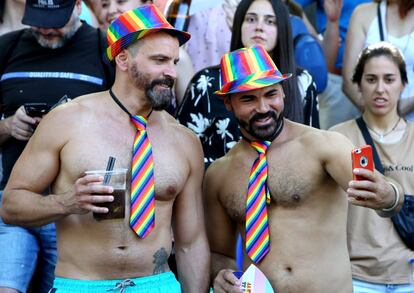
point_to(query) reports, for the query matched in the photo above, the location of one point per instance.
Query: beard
(57, 39)
(158, 91)
(263, 132)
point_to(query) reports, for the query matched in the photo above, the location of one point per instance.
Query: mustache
(259, 116)
(51, 34)
(167, 81)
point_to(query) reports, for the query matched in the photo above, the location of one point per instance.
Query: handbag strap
(379, 14)
(368, 139)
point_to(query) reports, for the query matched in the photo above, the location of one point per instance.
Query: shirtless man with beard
(81, 135)
(297, 239)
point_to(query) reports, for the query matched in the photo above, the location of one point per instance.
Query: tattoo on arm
(160, 261)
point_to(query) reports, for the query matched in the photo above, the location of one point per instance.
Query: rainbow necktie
(257, 227)
(142, 212)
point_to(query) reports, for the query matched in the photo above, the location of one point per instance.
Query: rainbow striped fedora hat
(135, 24)
(248, 69)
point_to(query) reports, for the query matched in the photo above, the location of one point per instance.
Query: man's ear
(121, 60)
(227, 103)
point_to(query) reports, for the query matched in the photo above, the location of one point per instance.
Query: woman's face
(111, 9)
(381, 85)
(259, 25)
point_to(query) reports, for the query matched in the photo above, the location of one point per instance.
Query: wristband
(397, 198)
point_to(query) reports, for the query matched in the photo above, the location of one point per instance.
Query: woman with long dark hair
(263, 22)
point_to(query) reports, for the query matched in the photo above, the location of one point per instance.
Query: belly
(110, 249)
(313, 275)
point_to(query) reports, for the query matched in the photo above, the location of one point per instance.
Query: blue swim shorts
(27, 252)
(161, 283)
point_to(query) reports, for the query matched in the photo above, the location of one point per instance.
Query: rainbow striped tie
(142, 214)
(257, 227)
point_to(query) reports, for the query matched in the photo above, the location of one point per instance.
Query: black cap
(48, 13)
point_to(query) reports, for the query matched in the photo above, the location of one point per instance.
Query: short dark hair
(282, 54)
(377, 50)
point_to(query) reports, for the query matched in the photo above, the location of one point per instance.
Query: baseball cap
(48, 13)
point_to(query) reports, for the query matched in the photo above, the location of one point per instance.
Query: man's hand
(88, 190)
(373, 192)
(21, 126)
(226, 281)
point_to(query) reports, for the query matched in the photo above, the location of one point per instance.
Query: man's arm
(190, 240)
(374, 191)
(221, 232)
(37, 168)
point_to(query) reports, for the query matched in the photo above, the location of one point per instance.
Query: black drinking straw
(109, 167)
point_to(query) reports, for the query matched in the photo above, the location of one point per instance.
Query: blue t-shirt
(347, 9)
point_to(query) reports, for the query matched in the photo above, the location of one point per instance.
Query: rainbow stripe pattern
(257, 227)
(142, 213)
(135, 24)
(248, 69)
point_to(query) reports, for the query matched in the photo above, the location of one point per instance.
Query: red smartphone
(362, 158)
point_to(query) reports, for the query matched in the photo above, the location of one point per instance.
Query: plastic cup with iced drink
(117, 179)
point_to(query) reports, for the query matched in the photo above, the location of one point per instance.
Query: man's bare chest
(290, 186)
(92, 153)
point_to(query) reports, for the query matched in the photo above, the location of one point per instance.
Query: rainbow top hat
(248, 69)
(135, 24)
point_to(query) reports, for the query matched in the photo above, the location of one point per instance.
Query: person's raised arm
(375, 191)
(221, 232)
(190, 240)
(185, 71)
(37, 168)
(331, 36)
(355, 40)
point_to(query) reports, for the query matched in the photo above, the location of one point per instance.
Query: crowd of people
(236, 151)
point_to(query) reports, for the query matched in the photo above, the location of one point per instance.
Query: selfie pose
(379, 257)
(283, 188)
(163, 188)
(56, 59)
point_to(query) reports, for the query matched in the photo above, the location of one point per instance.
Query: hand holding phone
(36, 109)
(362, 158)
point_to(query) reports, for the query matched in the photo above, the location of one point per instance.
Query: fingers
(226, 282)
(21, 125)
(90, 191)
(365, 173)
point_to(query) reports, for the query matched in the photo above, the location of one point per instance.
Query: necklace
(383, 135)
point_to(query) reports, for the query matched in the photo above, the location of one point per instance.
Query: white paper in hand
(254, 281)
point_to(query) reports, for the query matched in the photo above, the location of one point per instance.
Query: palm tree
(203, 83)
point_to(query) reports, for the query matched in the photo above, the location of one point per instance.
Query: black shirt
(33, 73)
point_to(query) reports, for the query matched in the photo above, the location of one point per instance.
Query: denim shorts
(161, 283)
(27, 252)
(367, 287)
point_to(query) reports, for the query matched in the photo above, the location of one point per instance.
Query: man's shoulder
(228, 162)
(179, 129)
(73, 111)
(313, 137)
(9, 39)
